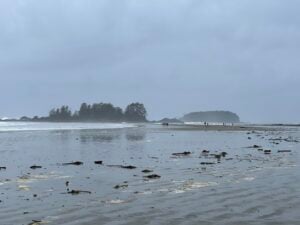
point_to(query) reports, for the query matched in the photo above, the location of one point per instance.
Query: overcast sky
(174, 56)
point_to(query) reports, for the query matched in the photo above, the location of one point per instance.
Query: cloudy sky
(174, 56)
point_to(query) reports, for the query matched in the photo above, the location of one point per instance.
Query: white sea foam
(44, 126)
(115, 201)
(210, 123)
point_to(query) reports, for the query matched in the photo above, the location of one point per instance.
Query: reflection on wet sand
(99, 135)
(109, 135)
(135, 135)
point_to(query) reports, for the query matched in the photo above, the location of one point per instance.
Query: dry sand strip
(191, 127)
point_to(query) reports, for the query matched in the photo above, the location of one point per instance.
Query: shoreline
(190, 127)
(173, 126)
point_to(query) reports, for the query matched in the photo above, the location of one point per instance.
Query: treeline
(100, 112)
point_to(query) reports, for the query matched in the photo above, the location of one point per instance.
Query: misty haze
(149, 112)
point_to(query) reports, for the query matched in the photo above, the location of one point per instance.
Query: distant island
(168, 120)
(97, 112)
(211, 116)
(134, 112)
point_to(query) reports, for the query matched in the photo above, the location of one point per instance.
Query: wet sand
(245, 186)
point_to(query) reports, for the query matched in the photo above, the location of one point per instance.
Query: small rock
(182, 154)
(77, 192)
(152, 176)
(282, 151)
(123, 167)
(121, 186)
(147, 171)
(223, 154)
(98, 162)
(76, 163)
(35, 222)
(35, 167)
(217, 156)
(128, 167)
(207, 163)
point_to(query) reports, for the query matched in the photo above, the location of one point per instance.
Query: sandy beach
(149, 174)
(234, 127)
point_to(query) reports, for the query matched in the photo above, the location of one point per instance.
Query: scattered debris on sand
(77, 192)
(121, 186)
(76, 163)
(217, 156)
(123, 167)
(282, 151)
(207, 163)
(181, 154)
(128, 167)
(224, 154)
(205, 152)
(34, 167)
(36, 222)
(254, 146)
(289, 139)
(152, 176)
(147, 171)
(267, 152)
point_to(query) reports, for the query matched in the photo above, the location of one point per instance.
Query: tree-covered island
(97, 112)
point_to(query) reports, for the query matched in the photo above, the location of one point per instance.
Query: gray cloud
(176, 57)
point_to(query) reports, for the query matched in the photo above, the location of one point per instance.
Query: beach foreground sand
(150, 175)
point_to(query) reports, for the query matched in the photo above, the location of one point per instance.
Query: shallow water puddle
(39, 177)
(23, 187)
(35, 222)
